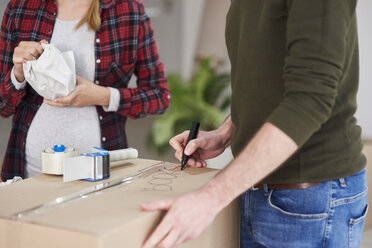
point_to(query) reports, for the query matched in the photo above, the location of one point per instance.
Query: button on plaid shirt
(123, 45)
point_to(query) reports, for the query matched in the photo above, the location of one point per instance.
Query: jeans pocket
(356, 228)
(295, 209)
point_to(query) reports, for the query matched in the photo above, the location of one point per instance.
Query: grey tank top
(70, 126)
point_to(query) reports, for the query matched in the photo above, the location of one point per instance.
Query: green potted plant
(203, 98)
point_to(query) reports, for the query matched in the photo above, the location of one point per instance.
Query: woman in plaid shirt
(111, 40)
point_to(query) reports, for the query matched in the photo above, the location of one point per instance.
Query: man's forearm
(268, 149)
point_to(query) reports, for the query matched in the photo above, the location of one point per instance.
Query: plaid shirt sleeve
(152, 94)
(9, 95)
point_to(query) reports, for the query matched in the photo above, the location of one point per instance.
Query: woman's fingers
(36, 50)
(18, 60)
(27, 51)
(27, 55)
(56, 103)
(43, 42)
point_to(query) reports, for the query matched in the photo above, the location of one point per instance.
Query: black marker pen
(192, 135)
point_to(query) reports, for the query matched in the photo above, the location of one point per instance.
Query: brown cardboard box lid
(111, 218)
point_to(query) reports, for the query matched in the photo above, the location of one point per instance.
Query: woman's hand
(25, 51)
(86, 93)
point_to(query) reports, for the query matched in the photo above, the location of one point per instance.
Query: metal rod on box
(42, 208)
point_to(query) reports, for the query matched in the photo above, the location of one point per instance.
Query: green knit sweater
(295, 65)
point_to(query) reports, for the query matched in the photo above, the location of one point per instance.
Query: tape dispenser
(94, 166)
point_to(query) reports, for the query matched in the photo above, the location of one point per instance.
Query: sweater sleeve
(316, 53)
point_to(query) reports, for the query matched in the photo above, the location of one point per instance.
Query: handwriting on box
(163, 179)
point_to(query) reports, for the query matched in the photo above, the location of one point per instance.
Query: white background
(364, 113)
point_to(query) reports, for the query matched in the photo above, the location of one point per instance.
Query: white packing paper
(52, 74)
(10, 181)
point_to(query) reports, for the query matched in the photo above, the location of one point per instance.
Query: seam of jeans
(350, 239)
(251, 227)
(296, 215)
(328, 222)
(245, 197)
(350, 199)
(245, 216)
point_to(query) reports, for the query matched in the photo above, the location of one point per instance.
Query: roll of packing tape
(52, 159)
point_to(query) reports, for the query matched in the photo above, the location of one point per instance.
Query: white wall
(364, 113)
(192, 17)
(3, 4)
(212, 38)
(167, 28)
(177, 32)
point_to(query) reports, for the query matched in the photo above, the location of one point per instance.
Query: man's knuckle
(193, 145)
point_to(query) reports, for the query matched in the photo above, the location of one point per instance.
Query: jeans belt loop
(266, 189)
(342, 182)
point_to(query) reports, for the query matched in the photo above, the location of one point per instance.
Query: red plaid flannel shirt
(123, 45)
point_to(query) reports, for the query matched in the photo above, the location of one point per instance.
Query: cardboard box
(111, 218)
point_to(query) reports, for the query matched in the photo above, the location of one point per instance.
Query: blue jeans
(330, 214)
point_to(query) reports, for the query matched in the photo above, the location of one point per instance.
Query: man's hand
(190, 214)
(187, 217)
(86, 93)
(206, 145)
(25, 51)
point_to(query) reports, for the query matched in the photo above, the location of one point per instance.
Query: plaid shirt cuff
(10, 89)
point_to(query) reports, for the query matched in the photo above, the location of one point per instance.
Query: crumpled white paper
(10, 181)
(52, 74)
